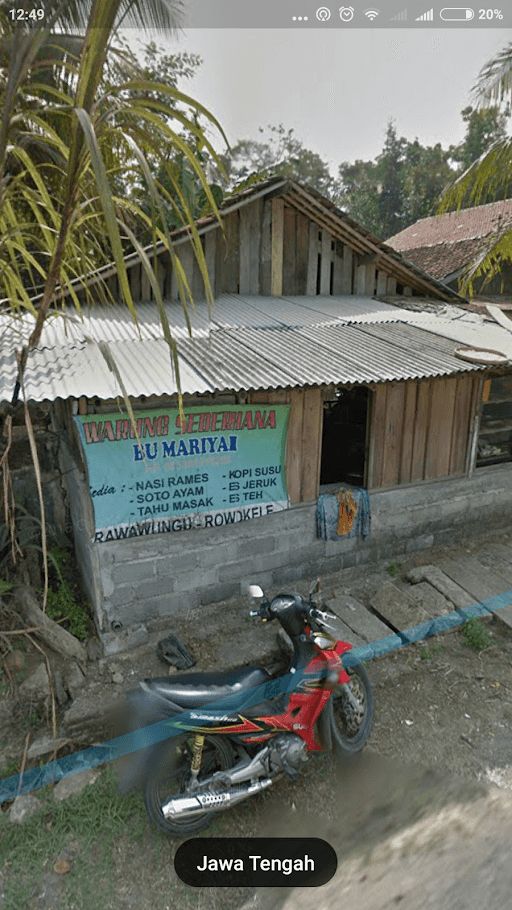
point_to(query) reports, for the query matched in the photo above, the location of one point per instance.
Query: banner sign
(222, 465)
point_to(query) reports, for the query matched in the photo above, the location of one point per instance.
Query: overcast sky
(339, 89)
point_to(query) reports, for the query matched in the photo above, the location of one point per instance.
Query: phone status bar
(299, 14)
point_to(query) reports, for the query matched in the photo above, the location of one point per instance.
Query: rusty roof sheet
(444, 244)
(453, 227)
(250, 343)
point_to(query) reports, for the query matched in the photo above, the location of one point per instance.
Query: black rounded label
(233, 862)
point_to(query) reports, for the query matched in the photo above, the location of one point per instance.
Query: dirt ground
(436, 774)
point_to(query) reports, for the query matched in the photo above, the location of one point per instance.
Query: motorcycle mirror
(256, 592)
(315, 588)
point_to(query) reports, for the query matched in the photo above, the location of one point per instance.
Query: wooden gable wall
(268, 248)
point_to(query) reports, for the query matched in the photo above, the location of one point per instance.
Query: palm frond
(494, 83)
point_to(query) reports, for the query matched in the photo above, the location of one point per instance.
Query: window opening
(494, 444)
(344, 437)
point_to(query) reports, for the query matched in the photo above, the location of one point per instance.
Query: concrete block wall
(144, 579)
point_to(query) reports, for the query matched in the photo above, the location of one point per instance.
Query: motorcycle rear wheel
(171, 777)
(351, 730)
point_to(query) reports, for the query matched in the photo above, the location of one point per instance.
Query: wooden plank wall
(268, 248)
(420, 430)
(304, 438)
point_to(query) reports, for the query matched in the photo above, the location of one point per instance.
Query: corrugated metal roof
(250, 343)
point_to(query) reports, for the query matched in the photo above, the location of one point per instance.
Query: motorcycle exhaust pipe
(186, 806)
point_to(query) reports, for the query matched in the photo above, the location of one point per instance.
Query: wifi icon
(371, 14)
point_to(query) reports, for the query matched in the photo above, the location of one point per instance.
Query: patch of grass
(393, 569)
(425, 654)
(99, 814)
(476, 634)
(9, 769)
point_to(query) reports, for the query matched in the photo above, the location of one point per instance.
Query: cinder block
(289, 574)
(190, 581)
(256, 545)
(107, 582)
(169, 566)
(344, 545)
(349, 560)
(217, 555)
(134, 571)
(238, 569)
(177, 603)
(136, 611)
(148, 589)
(425, 542)
(122, 594)
(215, 593)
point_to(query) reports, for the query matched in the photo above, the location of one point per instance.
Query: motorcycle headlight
(322, 641)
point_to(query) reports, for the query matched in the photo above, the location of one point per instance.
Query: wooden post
(325, 263)
(312, 260)
(276, 255)
(382, 281)
(294, 445)
(210, 255)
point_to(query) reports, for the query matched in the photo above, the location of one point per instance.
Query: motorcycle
(223, 752)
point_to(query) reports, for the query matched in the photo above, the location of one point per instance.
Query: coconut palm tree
(65, 135)
(62, 141)
(490, 176)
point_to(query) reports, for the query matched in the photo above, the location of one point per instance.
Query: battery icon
(457, 14)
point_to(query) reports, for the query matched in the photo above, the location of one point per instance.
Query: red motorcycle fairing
(300, 710)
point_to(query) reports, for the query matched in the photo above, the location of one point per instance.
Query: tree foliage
(280, 152)
(489, 177)
(400, 186)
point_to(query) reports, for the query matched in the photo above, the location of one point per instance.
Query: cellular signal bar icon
(400, 17)
(426, 17)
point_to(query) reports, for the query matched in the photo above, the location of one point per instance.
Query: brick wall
(142, 579)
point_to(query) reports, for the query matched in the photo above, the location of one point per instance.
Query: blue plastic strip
(155, 733)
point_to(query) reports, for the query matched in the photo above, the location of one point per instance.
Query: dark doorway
(344, 437)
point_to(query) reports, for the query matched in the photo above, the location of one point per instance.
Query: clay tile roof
(442, 244)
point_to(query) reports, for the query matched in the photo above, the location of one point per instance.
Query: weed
(393, 569)
(9, 769)
(425, 653)
(436, 648)
(32, 720)
(61, 602)
(476, 634)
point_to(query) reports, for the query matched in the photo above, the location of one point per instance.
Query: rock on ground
(75, 783)
(23, 807)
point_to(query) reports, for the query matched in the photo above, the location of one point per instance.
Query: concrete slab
(453, 592)
(343, 632)
(479, 581)
(504, 615)
(430, 599)
(499, 555)
(355, 615)
(398, 608)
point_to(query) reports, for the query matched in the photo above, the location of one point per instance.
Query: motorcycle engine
(288, 753)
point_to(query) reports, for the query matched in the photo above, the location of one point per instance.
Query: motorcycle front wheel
(351, 727)
(171, 777)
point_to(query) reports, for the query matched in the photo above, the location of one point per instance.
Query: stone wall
(144, 579)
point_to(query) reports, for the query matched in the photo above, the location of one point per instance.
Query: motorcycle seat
(191, 690)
